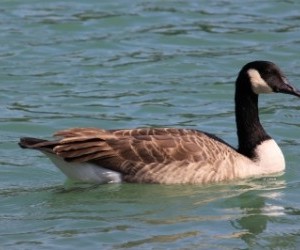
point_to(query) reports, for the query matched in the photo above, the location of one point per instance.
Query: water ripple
(142, 63)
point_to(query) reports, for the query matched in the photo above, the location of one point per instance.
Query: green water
(123, 64)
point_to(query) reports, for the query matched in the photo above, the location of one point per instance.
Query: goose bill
(289, 89)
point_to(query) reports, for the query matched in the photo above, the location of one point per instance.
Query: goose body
(170, 155)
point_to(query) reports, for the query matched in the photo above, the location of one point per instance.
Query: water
(123, 64)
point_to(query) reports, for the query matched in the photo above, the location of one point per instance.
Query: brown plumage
(149, 155)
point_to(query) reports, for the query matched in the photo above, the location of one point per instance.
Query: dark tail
(38, 144)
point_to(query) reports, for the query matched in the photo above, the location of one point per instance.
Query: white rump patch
(270, 157)
(258, 85)
(85, 172)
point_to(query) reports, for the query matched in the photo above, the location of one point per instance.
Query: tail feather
(38, 144)
(78, 171)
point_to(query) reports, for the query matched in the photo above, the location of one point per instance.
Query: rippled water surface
(124, 64)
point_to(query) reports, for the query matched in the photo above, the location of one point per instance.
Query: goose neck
(249, 129)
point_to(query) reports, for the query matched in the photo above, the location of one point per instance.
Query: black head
(266, 77)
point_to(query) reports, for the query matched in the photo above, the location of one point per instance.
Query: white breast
(270, 157)
(269, 160)
(86, 172)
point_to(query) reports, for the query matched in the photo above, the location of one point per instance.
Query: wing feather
(142, 146)
(145, 154)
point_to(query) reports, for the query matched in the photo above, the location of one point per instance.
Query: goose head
(266, 77)
(255, 78)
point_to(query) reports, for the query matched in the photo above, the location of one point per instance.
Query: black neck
(249, 129)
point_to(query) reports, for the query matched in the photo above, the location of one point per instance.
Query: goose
(175, 155)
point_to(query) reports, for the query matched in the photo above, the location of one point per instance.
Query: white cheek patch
(258, 85)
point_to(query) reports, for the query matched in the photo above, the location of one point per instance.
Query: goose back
(152, 155)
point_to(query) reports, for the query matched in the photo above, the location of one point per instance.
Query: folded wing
(149, 155)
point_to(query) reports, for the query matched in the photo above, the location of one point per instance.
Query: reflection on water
(253, 221)
(138, 216)
(249, 208)
(259, 214)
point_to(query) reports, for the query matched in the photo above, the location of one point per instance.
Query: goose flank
(175, 155)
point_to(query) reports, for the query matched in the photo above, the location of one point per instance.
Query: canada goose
(170, 155)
